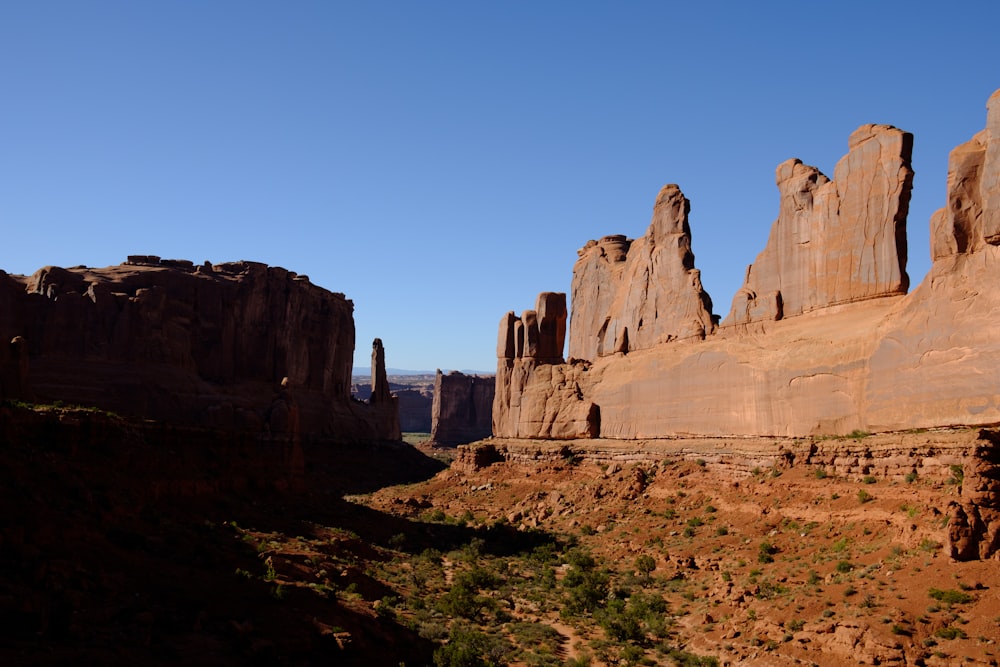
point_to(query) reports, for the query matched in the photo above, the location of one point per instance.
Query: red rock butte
(239, 346)
(821, 339)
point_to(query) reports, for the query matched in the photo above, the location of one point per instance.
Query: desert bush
(470, 648)
(950, 632)
(765, 553)
(950, 596)
(645, 564)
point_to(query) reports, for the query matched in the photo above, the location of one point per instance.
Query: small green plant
(722, 531)
(950, 632)
(950, 596)
(821, 473)
(911, 477)
(844, 566)
(795, 625)
(864, 496)
(957, 474)
(645, 564)
(765, 553)
(869, 479)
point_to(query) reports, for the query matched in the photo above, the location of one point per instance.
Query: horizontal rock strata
(965, 458)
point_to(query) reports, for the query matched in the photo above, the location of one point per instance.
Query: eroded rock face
(203, 345)
(462, 411)
(838, 241)
(971, 218)
(537, 395)
(632, 295)
(844, 348)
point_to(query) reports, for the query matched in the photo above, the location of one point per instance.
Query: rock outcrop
(822, 339)
(231, 346)
(835, 241)
(463, 408)
(537, 395)
(632, 295)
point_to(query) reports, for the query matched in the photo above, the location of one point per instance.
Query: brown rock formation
(200, 345)
(844, 350)
(835, 241)
(632, 295)
(463, 408)
(381, 395)
(536, 394)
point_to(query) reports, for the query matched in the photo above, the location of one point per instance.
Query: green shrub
(470, 648)
(950, 596)
(950, 632)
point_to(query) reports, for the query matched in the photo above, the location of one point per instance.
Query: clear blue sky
(441, 162)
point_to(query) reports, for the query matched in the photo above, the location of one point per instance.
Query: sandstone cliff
(632, 295)
(834, 241)
(822, 339)
(462, 410)
(239, 346)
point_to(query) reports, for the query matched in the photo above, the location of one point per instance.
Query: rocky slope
(822, 339)
(826, 551)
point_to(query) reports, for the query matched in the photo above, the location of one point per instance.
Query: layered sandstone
(632, 295)
(462, 410)
(536, 394)
(835, 344)
(239, 346)
(835, 241)
(965, 458)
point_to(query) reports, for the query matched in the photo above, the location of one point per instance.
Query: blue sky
(441, 162)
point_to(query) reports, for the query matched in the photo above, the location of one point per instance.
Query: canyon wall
(821, 339)
(462, 410)
(237, 346)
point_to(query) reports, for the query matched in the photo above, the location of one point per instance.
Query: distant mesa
(462, 411)
(821, 339)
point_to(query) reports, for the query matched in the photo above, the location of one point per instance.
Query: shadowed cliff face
(135, 542)
(227, 346)
(821, 339)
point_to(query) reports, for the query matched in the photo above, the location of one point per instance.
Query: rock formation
(836, 345)
(198, 345)
(834, 241)
(632, 295)
(381, 395)
(536, 394)
(463, 408)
